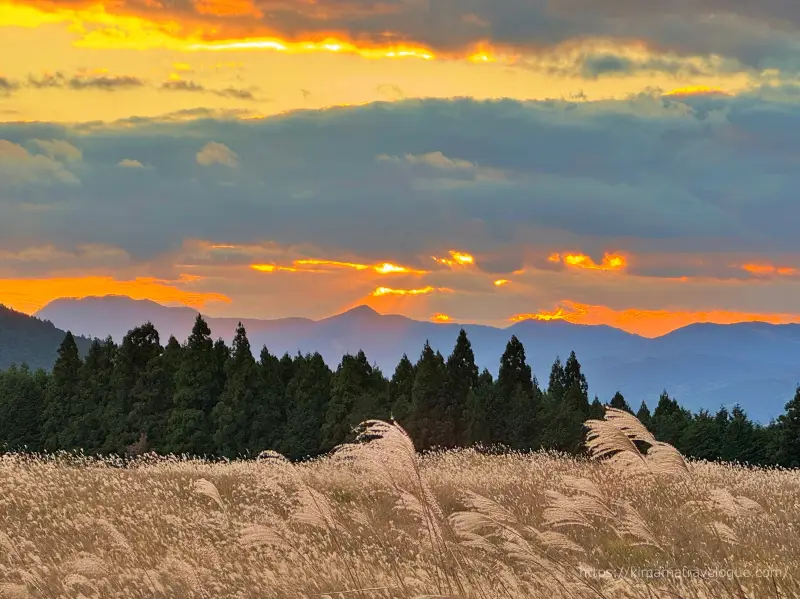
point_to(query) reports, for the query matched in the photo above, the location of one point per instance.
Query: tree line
(204, 397)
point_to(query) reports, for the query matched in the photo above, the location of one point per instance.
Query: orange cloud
(29, 295)
(697, 90)
(384, 268)
(610, 261)
(768, 270)
(439, 317)
(213, 25)
(271, 268)
(227, 8)
(380, 291)
(649, 323)
(456, 259)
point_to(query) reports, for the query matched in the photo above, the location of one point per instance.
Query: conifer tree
(140, 402)
(357, 394)
(596, 410)
(513, 415)
(428, 399)
(21, 403)
(669, 420)
(701, 438)
(618, 402)
(788, 450)
(286, 368)
(400, 392)
(574, 377)
(196, 392)
(476, 413)
(737, 442)
(306, 398)
(234, 414)
(62, 393)
(86, 427)
(644, 416)
(462, 377)
(270, 417)
(556, 385)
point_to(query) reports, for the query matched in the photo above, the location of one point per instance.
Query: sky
(626, 162)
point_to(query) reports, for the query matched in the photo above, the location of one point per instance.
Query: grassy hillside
(25, 339)
(377, 520)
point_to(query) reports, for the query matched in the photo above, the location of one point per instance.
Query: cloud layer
(754, 36)
(678, 203)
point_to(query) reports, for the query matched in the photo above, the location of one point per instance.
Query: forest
(206, 398)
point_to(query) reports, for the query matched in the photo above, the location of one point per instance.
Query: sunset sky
(625, 162)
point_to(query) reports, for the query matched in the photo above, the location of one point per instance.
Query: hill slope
(703, 365)
(26, 339)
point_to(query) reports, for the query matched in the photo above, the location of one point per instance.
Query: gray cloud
(85, 82)
(7, 86)
(192, 86)
(649, 173)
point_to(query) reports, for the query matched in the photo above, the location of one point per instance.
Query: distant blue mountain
(702, 365)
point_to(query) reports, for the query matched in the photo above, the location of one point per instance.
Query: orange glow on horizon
(30, 295)
(439, 317)
(501, 282)
(649, 323)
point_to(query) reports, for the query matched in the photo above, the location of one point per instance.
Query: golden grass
(377, 520)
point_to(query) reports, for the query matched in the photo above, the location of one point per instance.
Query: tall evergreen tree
(737, 442)
(400, 392)
(462, 378)
(286, 368)
(86, 427)
(788, 449)
(428, 399)
(358, 393)
(644, 415)
(196, 392)
(476, 412)
(306, 398)
(62, 394)
(556, 386)
(235, 413)
(618, 402)
(21, 403)
(140, 402)
(596, 411)
(573, 377)
(669, 420)
(513, 416)
(268, 422)
(701, 438)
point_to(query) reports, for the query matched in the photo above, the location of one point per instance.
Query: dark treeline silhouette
(206, 398)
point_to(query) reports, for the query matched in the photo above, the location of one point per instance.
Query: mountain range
(28, 340)
(701, 365)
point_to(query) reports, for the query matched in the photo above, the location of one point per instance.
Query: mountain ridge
(704, 365)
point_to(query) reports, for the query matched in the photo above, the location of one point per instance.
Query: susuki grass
(378, 520)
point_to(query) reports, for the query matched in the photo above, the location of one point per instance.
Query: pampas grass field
(377, 520)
